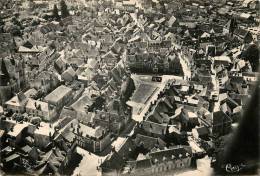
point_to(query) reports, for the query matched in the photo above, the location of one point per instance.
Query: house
(60, 65)
(222, 60)
(160, 162)
(56, 160)
(112, 164)
(114, 117)
(69, 75)
(110, 59)
(16, 134)
(246, 17)
(154, 129)
(148, 143)
(11, 160)
(7, 44)
(129, 5)
(17, 103)
(230, 26)
(187, 118)
(125, 147)
(171, 21)
(243, 35)
(201, 132)
(42, 109)
(30, 93)
(29, 152)
(94, 139)
(12, 78)
(43, 135)
(44, 81)
(2, 137)
(221, 123)
(59, 97)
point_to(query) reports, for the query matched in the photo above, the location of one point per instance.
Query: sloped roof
(172, 153)
(143, 164)
(18, 100)
(58, 94)
(149, 142)
(155, 128)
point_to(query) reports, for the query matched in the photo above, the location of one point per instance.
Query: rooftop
(44, 129)
(58, 94)
(17, 129)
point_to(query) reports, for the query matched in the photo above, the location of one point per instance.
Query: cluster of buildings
(207, 103)
(62, 85)
(31, 147)
(71, 83)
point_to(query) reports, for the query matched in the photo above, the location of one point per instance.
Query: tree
(64, 9)
(55, 12)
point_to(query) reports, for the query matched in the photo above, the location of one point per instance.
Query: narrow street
(89, 163)
(185, 67)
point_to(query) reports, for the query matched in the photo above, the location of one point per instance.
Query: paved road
(165, 78)
(88, 165)
(185, 66)
(203, 169)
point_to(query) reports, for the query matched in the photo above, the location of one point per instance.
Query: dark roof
(142, 164)
(26, 149)
(173, 153)
(202, 130)
(149, 142)
(220, 117)
(112, 161)
(241, 32)
(12, 157)
(154, 128)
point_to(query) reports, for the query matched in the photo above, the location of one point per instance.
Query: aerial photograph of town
(129, 87)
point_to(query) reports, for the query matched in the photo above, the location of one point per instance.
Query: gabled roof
(112, 161)
(17, 129)
(178, 152)
(202, 130)
(19, 100)
(242, 33)
(68, 74)
(154, 128)
(143, 164)
(58, 94)
(220, 117)
(149, 142)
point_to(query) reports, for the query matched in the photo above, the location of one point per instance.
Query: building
(44, 81)
(150, 62)
(39, 108)
(17, 103)
(7, 44)
(43, 135)
(161, 162)
(16, 134)
(21, 103)
(12, 77)
(91, 138)
(59, 97)
(243, 35)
